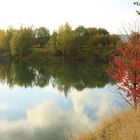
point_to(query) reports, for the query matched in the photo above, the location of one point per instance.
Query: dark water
(53, 101)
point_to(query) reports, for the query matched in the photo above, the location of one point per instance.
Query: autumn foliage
(125, 69)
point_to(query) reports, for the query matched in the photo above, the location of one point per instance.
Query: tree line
(81, 43)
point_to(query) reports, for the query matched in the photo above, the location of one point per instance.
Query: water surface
(53, 101)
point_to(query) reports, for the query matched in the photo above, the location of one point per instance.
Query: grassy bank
(125, 126)
(39, 55)
(43, 55)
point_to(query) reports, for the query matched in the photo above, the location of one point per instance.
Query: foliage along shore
(124, 126)
(28, 43)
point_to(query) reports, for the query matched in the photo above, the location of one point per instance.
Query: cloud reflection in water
(57, 118)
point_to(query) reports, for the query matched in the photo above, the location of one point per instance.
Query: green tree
(52, 44)
(42, 36)
(65, 39)
(80, 38)
(115, 40)
(81, 34)
(21, 42)
(100, 44)
(9, 34)
(103, 31)
(92, 31)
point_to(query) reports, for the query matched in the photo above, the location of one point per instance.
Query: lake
(43, 101)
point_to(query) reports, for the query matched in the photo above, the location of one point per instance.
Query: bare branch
(118, 92)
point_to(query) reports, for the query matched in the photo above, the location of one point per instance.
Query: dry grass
(125, 126)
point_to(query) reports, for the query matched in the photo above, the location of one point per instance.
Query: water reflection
(51, 116)
(33, 106)
(77, 75)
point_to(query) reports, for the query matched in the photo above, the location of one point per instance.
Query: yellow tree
(65, 38)
(2, 39)
(21, 42)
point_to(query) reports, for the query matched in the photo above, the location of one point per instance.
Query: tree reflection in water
(64, 77)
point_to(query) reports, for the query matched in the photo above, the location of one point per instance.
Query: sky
(36, 113)
(109, 14)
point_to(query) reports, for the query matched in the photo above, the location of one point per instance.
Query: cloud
(51, 120)
(45, 121)
(97, 103)
(5, 106)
